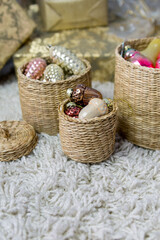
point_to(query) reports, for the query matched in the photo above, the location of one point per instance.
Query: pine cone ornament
(72, 110)
(53, 73)
(66, 59)
(35, 68)
(82, 94)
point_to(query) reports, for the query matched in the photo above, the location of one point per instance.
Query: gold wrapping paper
(94, 44)
(15, 28)
(69, 14)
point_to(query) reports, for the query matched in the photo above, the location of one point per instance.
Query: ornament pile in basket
(137, 91)
(87, 125)
(43, 84)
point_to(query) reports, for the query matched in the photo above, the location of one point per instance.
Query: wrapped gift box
(69, 14)
(15, 28)
(94, 44)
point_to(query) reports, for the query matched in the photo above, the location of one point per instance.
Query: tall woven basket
(88, 141)
(137, 92)
(40, 100)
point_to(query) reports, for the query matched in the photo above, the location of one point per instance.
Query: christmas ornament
(158, 61)
(66, 59)
(96, 107)
(129, 52)
(72, 109)
(82, 94)
(140, 60)
(126, 49)
(136, 57)
(35, 68)
(53, 73)
(157, 64)
(152, 50)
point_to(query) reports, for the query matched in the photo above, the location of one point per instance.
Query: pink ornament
(140, 60)
(35, 68)
(158, 56)
(157, 64)
(158, 61)
(130, 53)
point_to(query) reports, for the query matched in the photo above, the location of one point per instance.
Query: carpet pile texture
(47, 196)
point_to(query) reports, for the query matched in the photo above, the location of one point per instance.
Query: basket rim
(85, 121)
(69, 79)
(134, 66)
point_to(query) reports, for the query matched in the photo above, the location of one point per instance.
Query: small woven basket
(137, 92)
(17, 138)
(40, 100)
(88, 141)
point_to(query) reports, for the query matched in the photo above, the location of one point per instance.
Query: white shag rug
(47, 196)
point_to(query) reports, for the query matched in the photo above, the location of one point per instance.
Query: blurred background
(90, 28)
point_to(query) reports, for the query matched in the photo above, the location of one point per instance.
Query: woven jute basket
(88, 141)
(137, 92)
(40, 100)
(17, 138)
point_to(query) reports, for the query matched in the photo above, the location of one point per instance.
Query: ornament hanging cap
(70, 104)
(69, 92)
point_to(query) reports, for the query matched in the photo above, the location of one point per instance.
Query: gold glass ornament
(53, 73)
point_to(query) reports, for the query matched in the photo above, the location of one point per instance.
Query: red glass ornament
(35, 68)
(73, 111)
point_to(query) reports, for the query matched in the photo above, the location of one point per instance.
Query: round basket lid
(17, 138)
